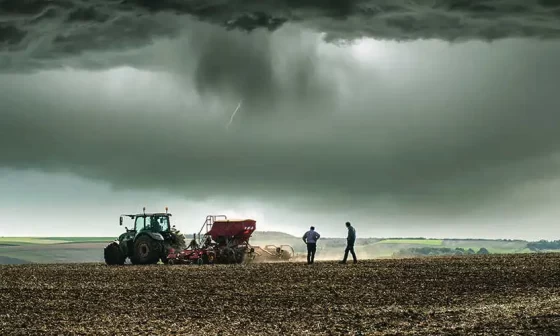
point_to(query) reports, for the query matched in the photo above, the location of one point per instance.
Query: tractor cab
(156, 222)
(149, 222)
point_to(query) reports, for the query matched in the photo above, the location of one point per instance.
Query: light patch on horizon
(47, 204)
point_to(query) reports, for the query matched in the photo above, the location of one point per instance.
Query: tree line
(543, 245)
(437, 251)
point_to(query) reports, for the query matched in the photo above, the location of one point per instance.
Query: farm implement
(272, 253)
(226, 241)
(219, 241)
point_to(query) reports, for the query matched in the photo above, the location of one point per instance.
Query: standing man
(310, 238)
(350, 240)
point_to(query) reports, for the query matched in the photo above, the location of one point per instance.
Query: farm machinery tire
(205, 259)
(147, 251)
(228, 255)
(239, 256)
(113, 255)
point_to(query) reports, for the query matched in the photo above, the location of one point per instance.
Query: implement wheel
(113, 255)
(240, 256)
(205, 259)
(285, 255)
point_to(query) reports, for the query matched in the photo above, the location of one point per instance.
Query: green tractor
(147, 243)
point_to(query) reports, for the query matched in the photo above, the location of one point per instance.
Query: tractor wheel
(113, 255)
(146, 250)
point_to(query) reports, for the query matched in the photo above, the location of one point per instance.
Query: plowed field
(468, 295)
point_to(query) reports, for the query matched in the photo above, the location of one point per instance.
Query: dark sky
(435, 119)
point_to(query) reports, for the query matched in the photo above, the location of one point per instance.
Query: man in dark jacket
(350, 240)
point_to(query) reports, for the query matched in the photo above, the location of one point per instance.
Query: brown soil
(468, 295)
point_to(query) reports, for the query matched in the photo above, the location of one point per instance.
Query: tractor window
(139, 224)
(163, 223)
(157, 223)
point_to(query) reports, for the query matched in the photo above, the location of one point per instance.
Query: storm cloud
(451, 111)
(444, 141)
(34, 32)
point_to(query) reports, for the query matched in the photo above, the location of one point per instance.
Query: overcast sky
(435, 119)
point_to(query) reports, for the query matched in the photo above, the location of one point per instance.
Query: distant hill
(271, 235)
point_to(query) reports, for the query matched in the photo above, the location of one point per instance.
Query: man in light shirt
(310, 238)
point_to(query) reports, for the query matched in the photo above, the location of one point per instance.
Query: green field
(51, 249)
(26, 241)
(53, 255)
(431, 242)
(51, 240)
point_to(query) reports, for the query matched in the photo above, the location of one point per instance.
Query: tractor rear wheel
(146, 250)
(113, 255)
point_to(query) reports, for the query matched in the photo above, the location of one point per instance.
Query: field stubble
(496, 294)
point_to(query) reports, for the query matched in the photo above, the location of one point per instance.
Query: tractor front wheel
(113, 255)
(146, 250)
